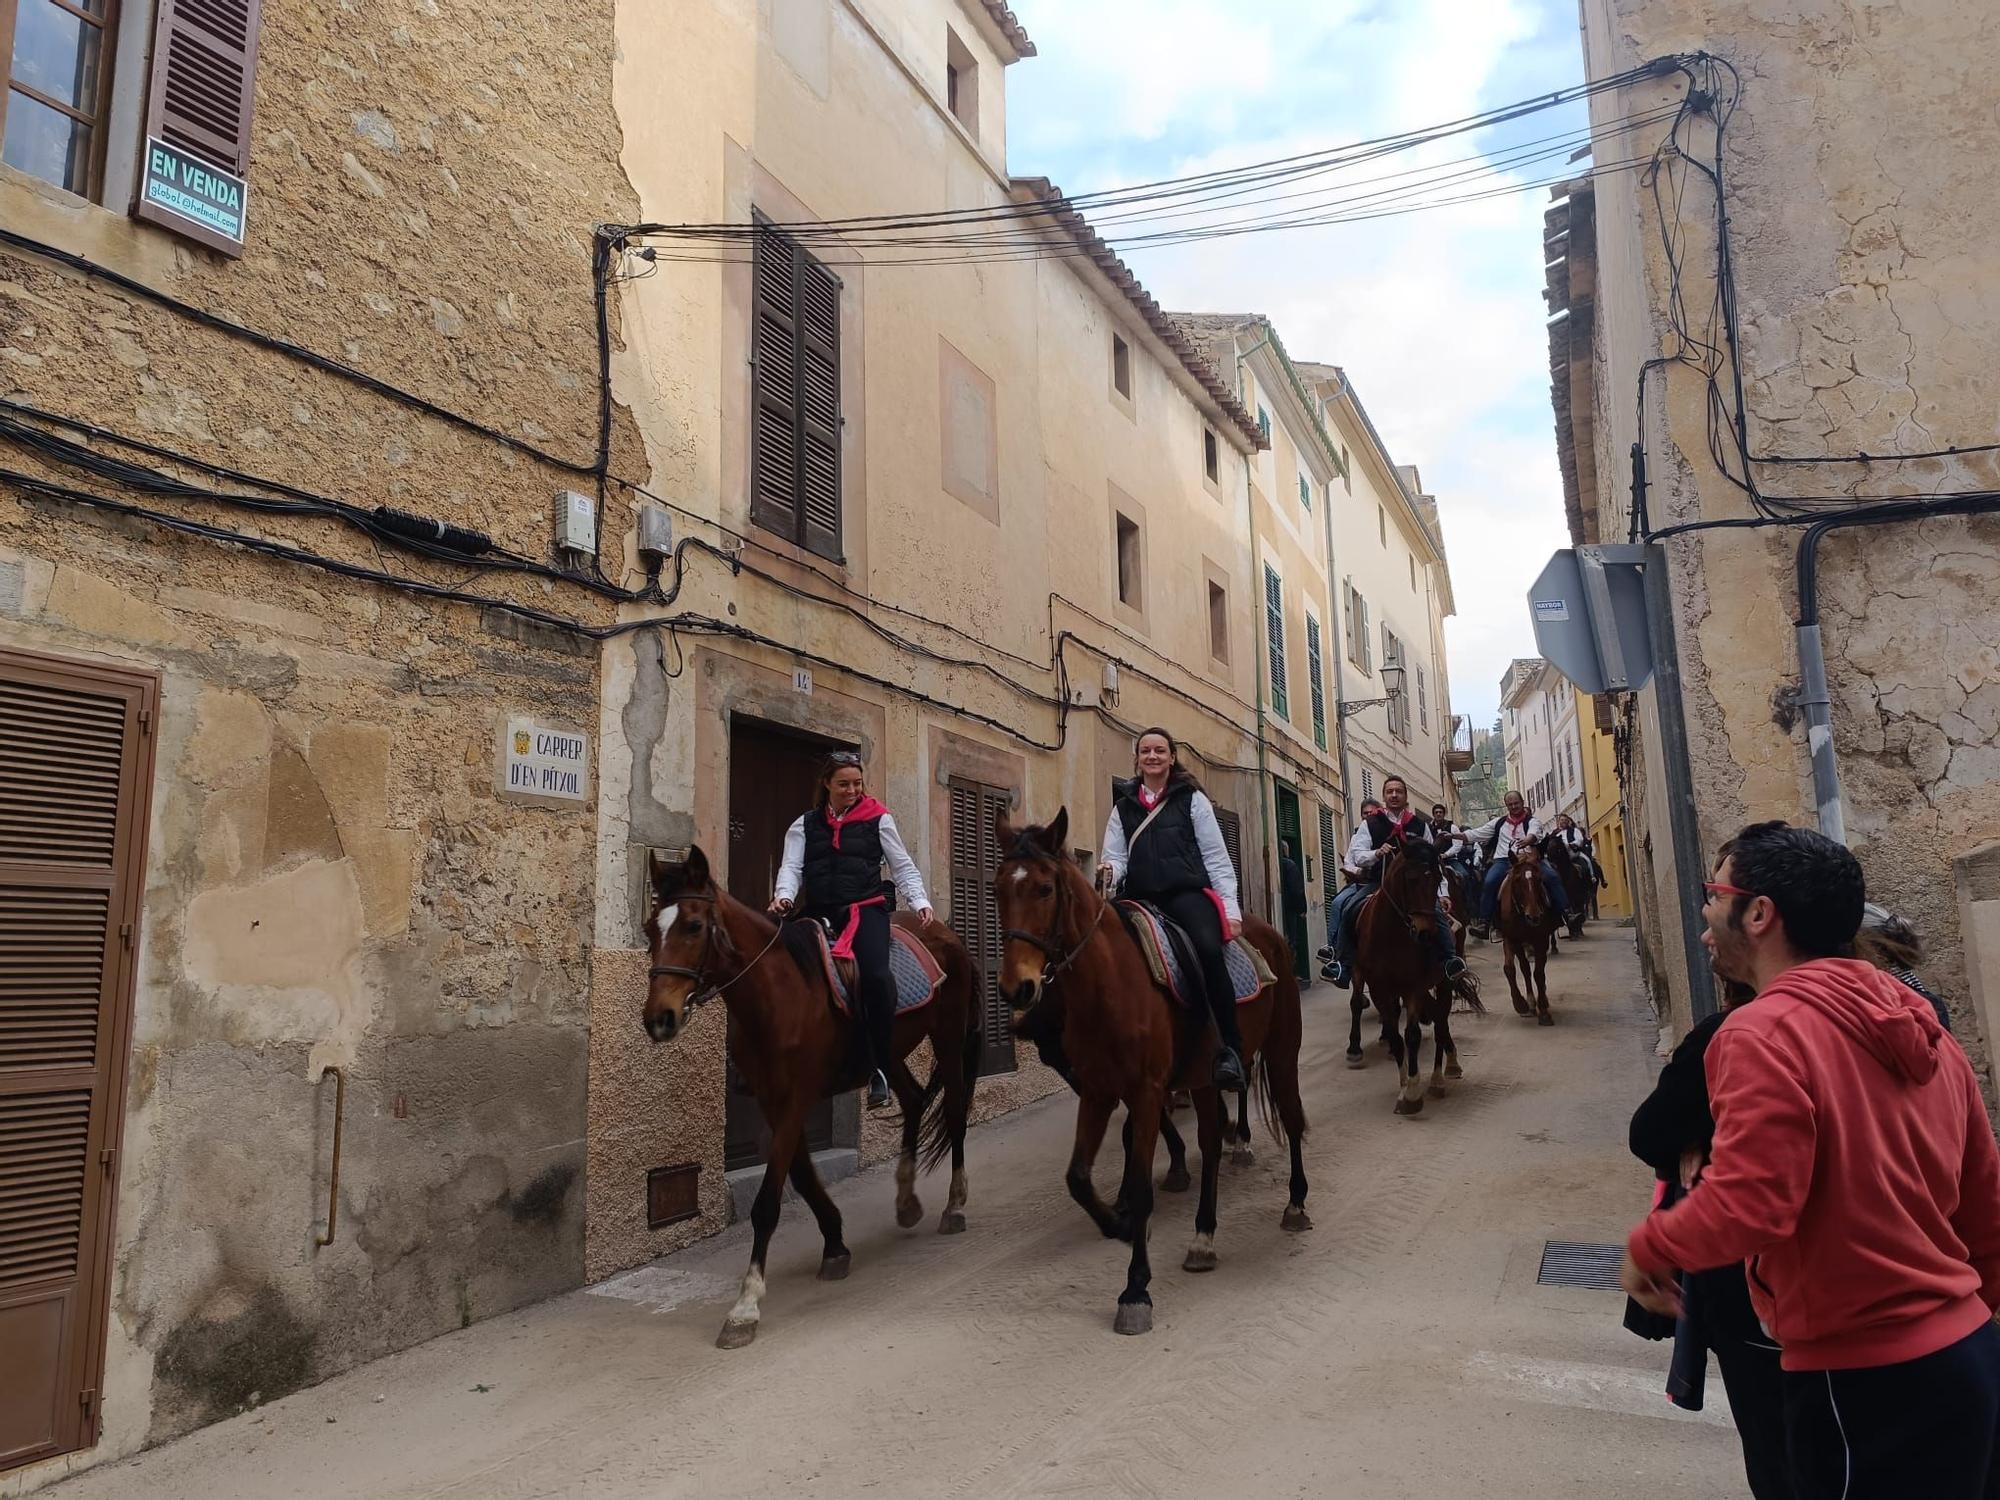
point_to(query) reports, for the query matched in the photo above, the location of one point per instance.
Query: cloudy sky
(1437, 316)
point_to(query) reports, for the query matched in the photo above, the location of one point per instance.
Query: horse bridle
(703, 991)
(1052, 967)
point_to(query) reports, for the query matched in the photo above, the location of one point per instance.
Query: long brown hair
(1177, 774)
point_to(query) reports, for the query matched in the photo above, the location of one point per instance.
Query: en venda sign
(188, 190)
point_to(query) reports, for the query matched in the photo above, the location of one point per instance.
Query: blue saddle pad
(1169, 963)
(914, 972)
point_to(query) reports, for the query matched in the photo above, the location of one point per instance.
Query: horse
(1080, 987)
(1397, 968)
(1527, 931)
(793, 1049)
(1577, 886)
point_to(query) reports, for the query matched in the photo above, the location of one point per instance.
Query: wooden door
(975, 917)
(772, 772)
(75, 767)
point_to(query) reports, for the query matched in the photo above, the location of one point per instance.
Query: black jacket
(1167, 861)
(840, 877)
(1292, 886)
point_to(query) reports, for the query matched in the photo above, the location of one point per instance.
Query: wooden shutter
(1231, 828)
(203, 87)
(1274, 634)
(795, 395)
(75, 761)
(1367, 640)
(1315, 667)
(1329, 855)
(975, 916)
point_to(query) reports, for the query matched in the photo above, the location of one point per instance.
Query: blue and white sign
(189, 190)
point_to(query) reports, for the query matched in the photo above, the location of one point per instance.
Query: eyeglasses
(1729, 890)
(843, 758)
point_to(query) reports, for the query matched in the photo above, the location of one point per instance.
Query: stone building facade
(1783, 317)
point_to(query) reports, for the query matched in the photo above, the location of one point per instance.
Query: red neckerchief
(864, 811)
(1396, 828)
(1146, 799)
(1517, 822)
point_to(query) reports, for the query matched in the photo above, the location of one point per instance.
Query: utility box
(576, 523)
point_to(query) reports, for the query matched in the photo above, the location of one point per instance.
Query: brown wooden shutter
(1231, 828)
(795, 395)
(203, 88)
(75, 761)
(975, 915)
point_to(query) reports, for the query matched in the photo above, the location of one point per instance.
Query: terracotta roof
(1010, 27)
(1192, 356)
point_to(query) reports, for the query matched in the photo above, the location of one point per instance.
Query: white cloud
(1438, 316)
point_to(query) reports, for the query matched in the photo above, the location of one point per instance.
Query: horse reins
(703, 991)
(1053, 967)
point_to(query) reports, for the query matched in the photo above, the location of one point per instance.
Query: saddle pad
(915, 973)
(1248, 973)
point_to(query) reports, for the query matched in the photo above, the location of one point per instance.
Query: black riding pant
(876, 1002)
(1194, 912)
(1924, 1428)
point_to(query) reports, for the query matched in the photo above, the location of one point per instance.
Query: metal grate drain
(1593, 1267)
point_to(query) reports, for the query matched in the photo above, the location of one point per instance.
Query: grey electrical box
(656, 535)
(1589, 609)
(576, 523)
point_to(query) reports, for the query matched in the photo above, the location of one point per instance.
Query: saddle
(1171, 957)
(912, 969)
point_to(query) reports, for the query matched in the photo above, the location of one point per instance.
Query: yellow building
(1604, 802)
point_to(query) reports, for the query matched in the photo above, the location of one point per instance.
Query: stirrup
(878, 1089)
(1229, 1060)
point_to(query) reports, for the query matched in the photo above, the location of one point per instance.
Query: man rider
(1453, 846)
(1394, 823)
(1579, 846)
(1515, 827)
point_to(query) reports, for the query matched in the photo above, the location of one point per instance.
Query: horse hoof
(1295, 1219)
(835, 1267)
(953, 1222)
(1409, 1106)
(1243, 1156)
(735, 1335)
(1453, 1070)
(1176, 1180)
(1436, 1090)
(1543, 1018)
(1199, 1260)
(1133, 1318)
(1356, 1060)
(909, 1213)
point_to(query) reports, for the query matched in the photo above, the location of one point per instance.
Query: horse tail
(1286, 1110)
(935, 1135)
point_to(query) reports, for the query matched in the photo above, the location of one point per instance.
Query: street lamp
(1392, 679)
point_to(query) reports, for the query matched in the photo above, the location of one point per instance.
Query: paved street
(1402, 1348)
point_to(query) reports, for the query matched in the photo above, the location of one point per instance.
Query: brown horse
(794, 1049)
(1083, 992)
(1576, 885)
(1397, 968)
(1527, 931)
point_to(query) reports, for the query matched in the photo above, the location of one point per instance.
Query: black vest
(1382, 830)
(1167, 861)
(840, 877)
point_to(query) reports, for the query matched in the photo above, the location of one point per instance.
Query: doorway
(771, 781)
(1292, 881)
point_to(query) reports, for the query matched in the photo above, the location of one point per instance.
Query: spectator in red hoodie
(1854, 1170)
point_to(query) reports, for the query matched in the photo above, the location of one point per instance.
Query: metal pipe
(1260, 649)
(1683, 829)
(333, 1185)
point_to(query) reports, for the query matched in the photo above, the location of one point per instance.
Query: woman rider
(836, 853)
(1163, 846)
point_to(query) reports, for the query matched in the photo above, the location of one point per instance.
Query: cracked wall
(1869, 297)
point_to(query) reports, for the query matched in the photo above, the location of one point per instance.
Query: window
(1274, 634)
(1413, 572)
(1367, 783)
(1423, 702)
(1399, 706)
(1121, 367)
(1305, 492)
(1382, 524)
(961, 81)
(1131, 590)
(974, 853)
(1230, 826)
(1315, 669)
(1211, 457)
(1346, 469)
(1357, 629)
(1218, 621)
(1263, 422)
(795, 395)
(58, 90)
(1329, 856)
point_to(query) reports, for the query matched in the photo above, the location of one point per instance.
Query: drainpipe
(1262, 652)
(1339, 653)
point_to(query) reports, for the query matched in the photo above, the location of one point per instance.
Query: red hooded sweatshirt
(1853, 1169)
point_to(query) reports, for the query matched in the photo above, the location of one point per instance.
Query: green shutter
(1313, 669)
(1274, 634)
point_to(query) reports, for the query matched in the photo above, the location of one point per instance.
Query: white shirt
(1361, 850)
(902, 869)
(1509, 834)
(1207, 834)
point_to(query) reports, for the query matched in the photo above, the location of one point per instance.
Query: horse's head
(686, 938)
(1028, 898)
(1411, 881)
(1526, 877)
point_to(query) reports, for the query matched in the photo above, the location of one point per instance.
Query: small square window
(1130, 586)
(1121, 366)
(1211, 457)
(1305, 492)
(961, 82)
(1264, 422)
(1218, 621)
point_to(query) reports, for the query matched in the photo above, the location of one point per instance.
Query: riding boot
(1229, 1072)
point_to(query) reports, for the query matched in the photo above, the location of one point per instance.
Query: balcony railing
(1458, 749)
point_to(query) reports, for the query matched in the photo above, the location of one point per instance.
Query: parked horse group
(1081, 988)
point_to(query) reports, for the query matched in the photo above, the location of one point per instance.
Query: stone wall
(332, 879)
